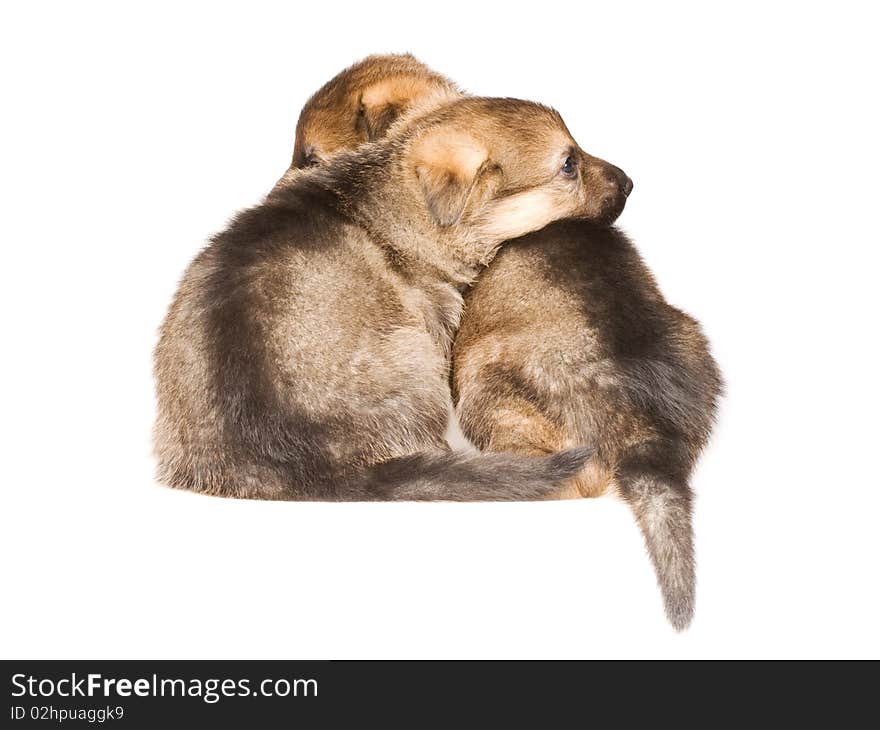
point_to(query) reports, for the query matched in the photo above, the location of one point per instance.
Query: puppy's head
(508, 167)
(362, 102)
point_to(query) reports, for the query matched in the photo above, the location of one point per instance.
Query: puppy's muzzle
(611, 187)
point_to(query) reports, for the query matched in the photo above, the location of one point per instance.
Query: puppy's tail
(661, 504)
(468, 477)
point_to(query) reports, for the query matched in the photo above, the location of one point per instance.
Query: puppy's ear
(382, 103)
(449, 164)
(373, 121)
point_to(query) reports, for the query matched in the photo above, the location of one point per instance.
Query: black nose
(618, 181)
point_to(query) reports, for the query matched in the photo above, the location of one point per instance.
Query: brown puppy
(306, 353)
(567, 340)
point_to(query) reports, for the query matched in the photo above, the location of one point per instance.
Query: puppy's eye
(569, 166)
(311, 160)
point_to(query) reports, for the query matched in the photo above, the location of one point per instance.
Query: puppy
(567, 340)
(306, 353)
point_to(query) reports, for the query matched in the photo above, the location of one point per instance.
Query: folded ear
(382, 103)
(373, 121)
(449, 164)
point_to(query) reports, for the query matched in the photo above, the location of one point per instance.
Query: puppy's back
(574, 305)
(567, 340)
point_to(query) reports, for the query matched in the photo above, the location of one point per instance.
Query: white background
(130, 134)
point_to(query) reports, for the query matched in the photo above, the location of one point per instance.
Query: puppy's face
(362, 102)
(509, 167)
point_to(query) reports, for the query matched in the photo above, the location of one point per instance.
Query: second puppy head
(360, 103)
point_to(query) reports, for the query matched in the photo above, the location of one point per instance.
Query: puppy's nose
(618, 181)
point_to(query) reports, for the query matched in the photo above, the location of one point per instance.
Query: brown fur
(567, 340)
(361, 103)
(306, 353)
(568, 331)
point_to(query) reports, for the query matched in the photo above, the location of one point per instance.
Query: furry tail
(469, 477)
(661, 504)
